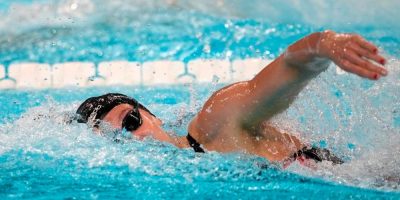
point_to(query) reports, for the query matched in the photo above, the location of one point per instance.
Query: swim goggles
(132, 121)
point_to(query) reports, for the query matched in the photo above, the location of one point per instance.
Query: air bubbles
(228, 54)
(207, 48)
(74, 6)
(269, 31)
(354, 121)
(228, 24)
(199, 35)
(208, 109)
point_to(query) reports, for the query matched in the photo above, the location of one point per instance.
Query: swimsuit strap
(194, 144)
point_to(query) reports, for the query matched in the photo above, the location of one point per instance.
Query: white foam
(72, 74)
(339, 71)
(31, 75)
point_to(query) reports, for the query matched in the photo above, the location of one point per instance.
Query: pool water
(41, 156)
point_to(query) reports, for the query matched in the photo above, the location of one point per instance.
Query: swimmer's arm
(277, 85)
(273, 89)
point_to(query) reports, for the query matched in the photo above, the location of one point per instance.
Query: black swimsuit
(313, 153)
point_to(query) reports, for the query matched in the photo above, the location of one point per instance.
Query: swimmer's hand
(276, 86)
(352, 53)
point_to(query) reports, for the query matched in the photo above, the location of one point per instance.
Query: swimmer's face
(151, 125)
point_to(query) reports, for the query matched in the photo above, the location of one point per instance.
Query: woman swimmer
(235, 118)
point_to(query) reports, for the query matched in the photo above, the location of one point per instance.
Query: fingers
(363, 63)
(356, 55)
(353, 68)
(365, 44)
(367, 54)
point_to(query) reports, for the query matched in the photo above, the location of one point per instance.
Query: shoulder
(222, 111)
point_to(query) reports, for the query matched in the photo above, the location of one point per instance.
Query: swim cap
(95, 108)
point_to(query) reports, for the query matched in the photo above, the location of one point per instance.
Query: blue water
(43, 157)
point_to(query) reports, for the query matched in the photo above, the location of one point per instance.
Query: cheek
(141, 133)
(146, 129)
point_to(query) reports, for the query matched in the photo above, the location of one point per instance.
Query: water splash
(356, 119)
(91, 30)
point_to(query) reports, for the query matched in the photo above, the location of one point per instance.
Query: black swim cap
(95, 108)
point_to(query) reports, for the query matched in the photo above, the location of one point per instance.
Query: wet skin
(236, 117)
(151, 125)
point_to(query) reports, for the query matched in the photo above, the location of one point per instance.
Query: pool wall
(83, 74)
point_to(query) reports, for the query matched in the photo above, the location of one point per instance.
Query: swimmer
(236, 117)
